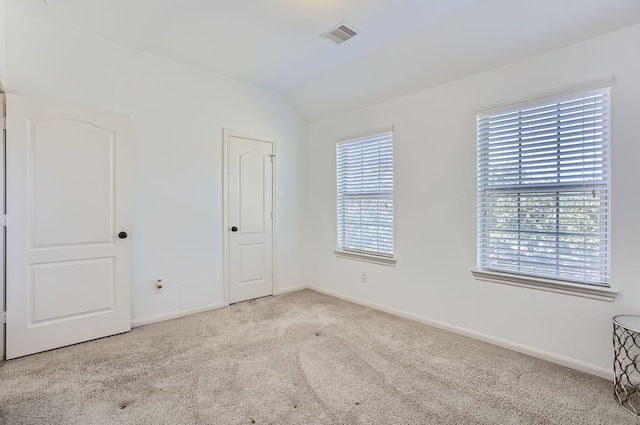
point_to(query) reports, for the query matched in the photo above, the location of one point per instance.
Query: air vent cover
(340, 33)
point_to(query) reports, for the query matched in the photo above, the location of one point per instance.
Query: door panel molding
(228, 136)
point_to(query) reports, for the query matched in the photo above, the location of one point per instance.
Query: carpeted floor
(300, 358)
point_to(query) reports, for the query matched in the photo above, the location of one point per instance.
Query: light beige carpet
(300, 358)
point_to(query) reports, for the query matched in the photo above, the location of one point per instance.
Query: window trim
(354, 254)
(382, 260)
(602, 293)
(593, 291)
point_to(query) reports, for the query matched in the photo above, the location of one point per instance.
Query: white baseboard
(175, 315)
(290, 289)
(534, 352)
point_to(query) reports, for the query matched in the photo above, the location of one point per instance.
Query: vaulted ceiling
(402, 45)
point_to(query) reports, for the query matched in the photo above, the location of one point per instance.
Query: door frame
(226, 225)
(3, 229)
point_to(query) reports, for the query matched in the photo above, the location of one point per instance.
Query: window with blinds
(543, 189)
(365, 195)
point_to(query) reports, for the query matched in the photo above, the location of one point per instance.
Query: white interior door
(250, 216)
(68, 265)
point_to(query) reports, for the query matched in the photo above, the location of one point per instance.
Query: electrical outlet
(158, 286)
(363, 277)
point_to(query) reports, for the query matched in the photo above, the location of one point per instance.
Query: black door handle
(234, 229)
(122, 235)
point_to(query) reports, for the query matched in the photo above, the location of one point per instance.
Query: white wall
(435, 208)
(177, 114)
(2, 40)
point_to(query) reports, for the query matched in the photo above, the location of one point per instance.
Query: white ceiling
(403, 45)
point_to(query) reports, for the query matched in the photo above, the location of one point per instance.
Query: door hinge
(4, 317)
(272, 156)
(271, 215)
(3, 123)
(3, 220)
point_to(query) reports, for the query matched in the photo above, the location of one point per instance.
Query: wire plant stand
(626, 362)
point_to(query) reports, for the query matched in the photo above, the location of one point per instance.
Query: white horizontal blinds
(365, 194)
(543, 189)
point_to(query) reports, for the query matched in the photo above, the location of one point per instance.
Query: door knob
(234, 229)
(122, 235)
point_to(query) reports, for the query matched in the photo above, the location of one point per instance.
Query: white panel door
(250, 203)
(68, 254)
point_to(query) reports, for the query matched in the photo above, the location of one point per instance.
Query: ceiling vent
(340, 34)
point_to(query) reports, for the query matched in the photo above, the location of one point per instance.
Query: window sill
(568, 288)
(359, 256)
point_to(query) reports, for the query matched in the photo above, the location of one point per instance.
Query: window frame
(380, 137)
(600, 290)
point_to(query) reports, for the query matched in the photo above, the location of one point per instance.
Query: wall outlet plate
(158, 286)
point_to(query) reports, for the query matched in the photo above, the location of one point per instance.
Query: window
(365, 197)
(543, 189)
